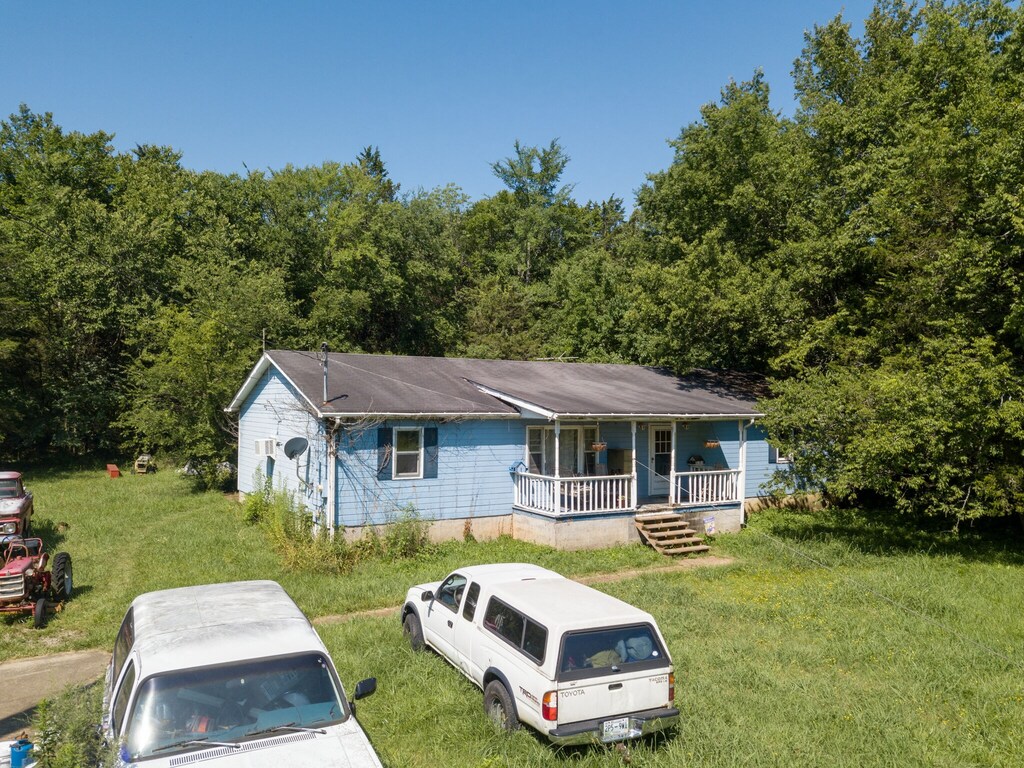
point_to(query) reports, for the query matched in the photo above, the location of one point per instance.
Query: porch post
(558, 483)
(635, 484)
(332, 476)
(742, 479)
(672, 469)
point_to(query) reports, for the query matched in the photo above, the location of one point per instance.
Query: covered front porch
(575, 469)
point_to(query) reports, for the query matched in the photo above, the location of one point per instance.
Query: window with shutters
(408, 453)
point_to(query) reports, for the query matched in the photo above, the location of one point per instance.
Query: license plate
(615, 730)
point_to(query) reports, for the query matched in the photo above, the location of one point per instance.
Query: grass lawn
(831, 641)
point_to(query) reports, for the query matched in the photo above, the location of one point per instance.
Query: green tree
(720, 223)
(937, 430)
(86, 233)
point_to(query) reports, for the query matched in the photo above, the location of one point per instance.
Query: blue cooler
(21, 753)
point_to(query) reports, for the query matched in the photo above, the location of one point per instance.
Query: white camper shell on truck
(578, 665)
(231, 673)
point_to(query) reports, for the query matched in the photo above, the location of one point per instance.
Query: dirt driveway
(27, 681)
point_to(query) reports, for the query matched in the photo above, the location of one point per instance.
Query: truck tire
(499, 707)
(62, 580)
(412, 630)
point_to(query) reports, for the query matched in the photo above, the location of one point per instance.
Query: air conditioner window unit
(266, 447)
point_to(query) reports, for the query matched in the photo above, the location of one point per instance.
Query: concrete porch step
(649, 510)
(655, 517)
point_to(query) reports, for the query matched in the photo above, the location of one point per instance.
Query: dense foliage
(867, 253)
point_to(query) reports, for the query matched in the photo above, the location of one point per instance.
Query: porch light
(711, 443)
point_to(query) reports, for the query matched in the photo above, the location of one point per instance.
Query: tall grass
(833, 640)
(136, 534)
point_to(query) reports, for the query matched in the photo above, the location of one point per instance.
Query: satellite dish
(295, 447)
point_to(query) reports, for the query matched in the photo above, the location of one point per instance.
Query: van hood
(343, 746)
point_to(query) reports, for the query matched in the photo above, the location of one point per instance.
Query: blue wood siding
(473, 478)
(690, 441)
(759, 470)
(274, 410)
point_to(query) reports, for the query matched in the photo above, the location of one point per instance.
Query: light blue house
(566, 454)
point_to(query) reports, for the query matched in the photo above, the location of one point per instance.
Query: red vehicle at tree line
(16, 507)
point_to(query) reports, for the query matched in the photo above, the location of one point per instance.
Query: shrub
(306, 546)
(407, 535)
(66, 725)
(290, 529)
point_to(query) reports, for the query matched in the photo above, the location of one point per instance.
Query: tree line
(865, 254)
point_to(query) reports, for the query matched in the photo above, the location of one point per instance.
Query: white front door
(660, 464)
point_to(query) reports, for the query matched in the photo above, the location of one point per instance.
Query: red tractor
(25, 584)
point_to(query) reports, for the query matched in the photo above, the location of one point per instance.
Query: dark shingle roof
(393, 385)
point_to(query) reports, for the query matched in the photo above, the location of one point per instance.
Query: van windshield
(598, 651)
(180, 710)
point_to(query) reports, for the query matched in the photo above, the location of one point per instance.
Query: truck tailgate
(612, 695)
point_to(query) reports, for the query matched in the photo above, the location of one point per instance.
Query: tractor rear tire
(39, 613)
(62, 580)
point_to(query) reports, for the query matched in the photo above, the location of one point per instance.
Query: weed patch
(303, 545)
(67, 736)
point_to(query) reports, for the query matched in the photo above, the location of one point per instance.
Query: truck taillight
(671, 688)
(549, 708)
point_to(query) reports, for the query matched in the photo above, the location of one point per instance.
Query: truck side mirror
(427, 596)
(365, 688)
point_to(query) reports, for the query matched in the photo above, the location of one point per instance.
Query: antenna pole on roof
(323, 362)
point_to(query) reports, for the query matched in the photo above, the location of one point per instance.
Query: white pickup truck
(578, 665)
(230, 674)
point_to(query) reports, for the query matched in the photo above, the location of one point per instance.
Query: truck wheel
(412, 630)
(39, 613)
(498, 706)
(62, 580)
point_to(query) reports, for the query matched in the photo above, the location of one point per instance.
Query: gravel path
(26, 681)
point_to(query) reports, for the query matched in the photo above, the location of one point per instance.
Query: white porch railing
(706, 486)
(558, 496)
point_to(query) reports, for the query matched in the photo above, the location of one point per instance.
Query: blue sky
(442, 88)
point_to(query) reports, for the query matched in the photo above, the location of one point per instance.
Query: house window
(590, 436)
(775, 458)
(540, 451)
(408, 463)
(535, 449)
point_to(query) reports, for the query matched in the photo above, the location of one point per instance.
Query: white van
(232, 673)
(578, 665)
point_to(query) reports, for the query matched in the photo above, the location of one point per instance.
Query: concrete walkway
(25, 682)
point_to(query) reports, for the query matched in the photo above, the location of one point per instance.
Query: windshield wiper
(286, 727)
(197, 743)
